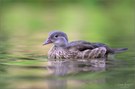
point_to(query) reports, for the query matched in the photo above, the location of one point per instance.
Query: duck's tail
(119, 50)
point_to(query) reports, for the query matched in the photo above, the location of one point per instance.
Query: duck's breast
(57, 53)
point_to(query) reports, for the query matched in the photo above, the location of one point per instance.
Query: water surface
(26, 73)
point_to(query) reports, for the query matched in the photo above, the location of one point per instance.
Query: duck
(62, 49)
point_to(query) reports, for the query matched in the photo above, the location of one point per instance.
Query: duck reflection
(63, 67)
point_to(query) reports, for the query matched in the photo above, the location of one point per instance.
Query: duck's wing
(84, 45)
(108, 49)
(80, 45)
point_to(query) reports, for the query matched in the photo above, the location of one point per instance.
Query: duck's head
(58, 38)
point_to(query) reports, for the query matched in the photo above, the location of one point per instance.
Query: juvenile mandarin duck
(63, 49)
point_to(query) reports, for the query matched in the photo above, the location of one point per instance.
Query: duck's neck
(61, 42)
(61, 46)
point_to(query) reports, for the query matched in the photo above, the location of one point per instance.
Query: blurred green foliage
(25, 23)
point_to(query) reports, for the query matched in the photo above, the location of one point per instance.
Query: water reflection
(63, 67)
(69, 67)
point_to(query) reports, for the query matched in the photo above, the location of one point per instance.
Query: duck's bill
(48, 41)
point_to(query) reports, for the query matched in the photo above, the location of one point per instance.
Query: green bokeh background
(24, 25)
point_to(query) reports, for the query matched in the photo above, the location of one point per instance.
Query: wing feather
(84, 45)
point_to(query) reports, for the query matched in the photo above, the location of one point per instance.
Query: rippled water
(25, 66)
(21, 68)
(68, 74)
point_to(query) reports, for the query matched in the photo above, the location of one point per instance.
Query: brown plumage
(76, 49)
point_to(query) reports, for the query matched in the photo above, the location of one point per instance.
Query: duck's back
(84, 45)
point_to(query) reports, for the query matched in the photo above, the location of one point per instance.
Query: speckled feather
(76, 50)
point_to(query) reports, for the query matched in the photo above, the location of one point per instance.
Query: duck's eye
(56, 36)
